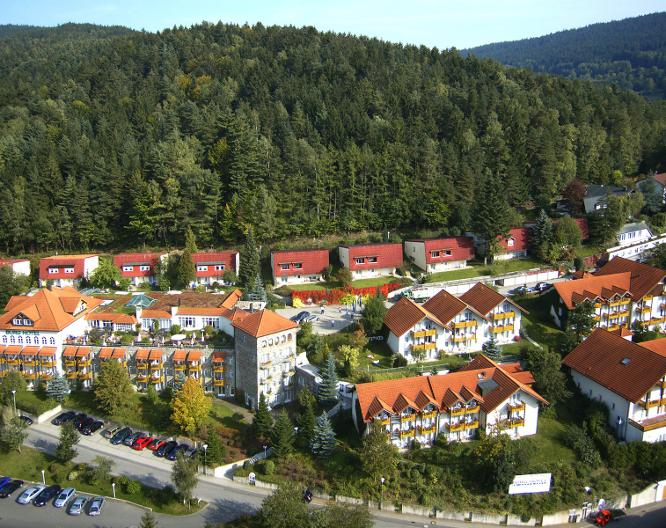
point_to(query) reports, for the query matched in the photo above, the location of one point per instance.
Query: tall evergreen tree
(327, 392)
(185, 272)
(493, 215)
(249, 258)
(283, 435)
(306, 426)
(262, 421)
(323, 439)
(542, 235)
(491, 349)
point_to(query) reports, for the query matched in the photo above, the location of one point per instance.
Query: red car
(142, 442)
(156, 444)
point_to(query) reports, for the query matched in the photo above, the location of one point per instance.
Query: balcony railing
(619, 303)
(455, 428)
(424, 333)
(29, 363)
(472, 410)
(500, 329)
(515, 407)
(70, 363)
(46, 376)
(47, 363)
(407, 418)
(85, 375)
(141, 378)
(194, 367)
(504, 315)
(424, 346)
(463, 338)
(29, 375)
(84, 362)
(407, 434)
(156, 367)
(154, 380)
(428, 415)
(426, 430)
(142, 366)
(652, 403)
(383, 421)
(72, 375)
(510, 423)
(472, 425)
(179, 367)
(218, 369)
(457, 412)
(13, 362)
(218, 383)
(465, 324)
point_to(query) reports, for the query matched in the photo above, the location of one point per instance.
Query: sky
(433, 23)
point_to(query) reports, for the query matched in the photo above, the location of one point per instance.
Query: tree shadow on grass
(226, 510)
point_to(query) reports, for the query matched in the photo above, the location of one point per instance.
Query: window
(4, 338)
(20, 340)
(434, 254)
(202, 268)
(284, 266)
(298, 265)
(69, 271)
(144, 268)
(12, 340)
(186, 322)
(219, 267)
(372, 260)
(28, 341)
(18, 321)
(128, 268)
(447, 252)
(359, 260)
(43, 340)
(51, 340)
(53, 271)
(509, 242)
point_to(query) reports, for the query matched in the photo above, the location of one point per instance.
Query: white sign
(534, 483)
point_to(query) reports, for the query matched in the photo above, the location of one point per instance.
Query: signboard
(534, 483)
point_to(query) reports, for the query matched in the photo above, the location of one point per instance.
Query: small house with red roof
(210, 266)
(440, 254)
(515, 244)
(483, 395)
(371, 260)
(66, 270)
(18, 266)
(139, 267)
(298, 266)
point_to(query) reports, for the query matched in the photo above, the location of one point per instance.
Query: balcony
(472, 410)
(85, 375)
(196, 367)
(218, 369)
(141, 378)
(645, 310)
(510, 423)
(623, 302)
(504, 315)
(515, 407)
(618, 315)
(663, 385)
(424, 346)
(500, 329)
(407, 418)
(13, 362)
(142, 366)
(424, 333)
(463, 338)
(179, 367)
(154, 381)
(266, 364)
(656, 320)
(426, 430)
(383, 421)
(158, 366)
(84, 363)
(70, 363)
(455, 428)
(597, 305)
(407, 434)
(29, 375)
(46, 376)
(218, 383)
(47, 363)
(647, 298)
(596, 318)
(428, 415)
(472, 425)
(72, 375)
(652, 403)
(29, 363)
(457, 412)
(465, 324)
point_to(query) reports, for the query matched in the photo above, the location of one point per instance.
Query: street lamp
(205, 448)
(381, 491)
(265, 448)
(113, 488)
(43, 478)
(14, 398)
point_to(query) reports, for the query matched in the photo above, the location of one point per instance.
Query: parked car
(174, 452)
(26, 420)
(132, 438)
(166, 448)
(64, 497)
(520, 290)
(93, 427)
(156, 443)
(29, 494)
(121, 435)
(191, 453)
(111, 431)
(542, 286)
(142, 442)
(85, 424)
(96, 505)
(64, 417)
(300, 317)
(79, 419)
(10, 488)
(310, 319)
(47, 495)
(5, 480)
(77, 505)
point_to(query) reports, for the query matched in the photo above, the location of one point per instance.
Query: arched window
(20, 340)
(12, 339)
(4, 338)
(43, 340)
(28, 341)
(52, 340)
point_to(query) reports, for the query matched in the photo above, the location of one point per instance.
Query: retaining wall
(348, 500)
(46, 416)
(416, 510)
(646, 496)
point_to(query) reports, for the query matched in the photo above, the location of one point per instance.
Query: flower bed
(333, 296)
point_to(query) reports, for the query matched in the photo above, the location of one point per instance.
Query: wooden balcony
(646, 310)
(70, 363)
(515, 407)
(194, 367)
(656, 320)
(457, 412)
(141, 378)
(29, 363)
(84, 363)
(663, 385)
(154, 381)
(597, 305)
(383, 421)
(504, 315)
(455, 428)
(218, 383)
(424, 333)
(29, 375)
(463, 338)
(472, 425)
(429, 415)
(500, 329)
(596, 318)
(13, 362)
(158, 366)
(407, 434)
(46, 376)
(472, 410)
(85, 376)
(510, 423)
(647, 298)
(652, 403)
(424, 346)
(218, 369)
(72, 375)
(47, 363)
(426, 430)
(465, 324)
(179, 367)
(142, 366)
(623, 302)
(408, 418)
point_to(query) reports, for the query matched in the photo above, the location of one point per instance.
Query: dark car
(79, 420)
(64, 417)
(300, 317)
(182, 448)
(26, 419)
(93, 427)
(5, 480)
(47, 495)
(85, 424)
(132, 438)
(10, 488)
(120, 436)
(165, 449)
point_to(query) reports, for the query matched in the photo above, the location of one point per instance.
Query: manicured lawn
(374, 281)
(588, 250)
(465, 273)
(538, 324)
(499, 267)
(550, 443)
(311, 286)
(34, 402)
(509, 266)
(28, 466)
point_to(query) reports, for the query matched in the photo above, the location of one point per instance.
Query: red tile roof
(136, 260)
(387, 255)
(202, 310)
(644, 279)
(155, 314)
(584, 228)
(444, 306)
(624, 367)
(442, 391)
(61, 262)
(114, 317)
(312, 262)
(661, 178)
(602, 287)
(404, 314)
(11, 261)
(520, 237)
(262, 323)
(483, 298)
(213, 258)
(460, 248)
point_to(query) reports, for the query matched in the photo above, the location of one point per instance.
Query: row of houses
(446, 324)
(36, 333)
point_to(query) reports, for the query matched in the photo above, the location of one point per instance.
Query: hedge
(333, 296)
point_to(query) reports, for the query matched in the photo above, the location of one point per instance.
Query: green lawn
(499, 267)
(311, 286)
(465, 273)
(538, 323)
(34, 402)
(588, 250)
(550, 443)
(374, 281)
(28, 466)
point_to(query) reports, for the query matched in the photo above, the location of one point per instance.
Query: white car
(96, 506)
(63, 498)
(29, 494)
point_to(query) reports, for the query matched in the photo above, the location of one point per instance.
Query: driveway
(335, 317)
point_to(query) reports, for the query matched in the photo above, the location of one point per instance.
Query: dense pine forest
(629, 53)
(113, 138)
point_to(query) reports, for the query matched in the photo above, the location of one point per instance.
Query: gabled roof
(644, 278)
(461, 248)
(155, 314)
(62, 261)
(11, 261)
(389, 255)
(632, 227)
(483, 298)
(445, 306)
(661, 178)
(264, 322)
(114, 317)
(201, 310)
(520, 237)
(624, 367)
(312, 261)
(212, 258)
(442, 391)
(404, 314)
(50, 310)
(593, 287)
(136, 260)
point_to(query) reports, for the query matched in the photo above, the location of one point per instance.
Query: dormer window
(298, 265)
(69, 271)
(128, 268)
(144, 268)
(53, 271)
(219, 267)
(509, 242)
(202, 268)
(447, 252)
(284, 266)
(372, 260)
(434, 254)
(359, 260)
(81, 307)
(22, 320)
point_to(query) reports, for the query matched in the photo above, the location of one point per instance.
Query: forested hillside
(114, 138)
(629, 53)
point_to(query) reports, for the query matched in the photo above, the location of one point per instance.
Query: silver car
(29, 494)
(96, 505)
(76, 508)
(63, 498)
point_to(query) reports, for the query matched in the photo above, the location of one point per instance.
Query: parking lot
(334, 318)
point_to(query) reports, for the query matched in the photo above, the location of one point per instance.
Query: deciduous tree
(374, 313)
(106, 275)
(190, 407)
(69, 437)
(184, 477)
(113, 389)
(379, 458)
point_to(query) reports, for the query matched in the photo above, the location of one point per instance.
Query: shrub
(133, 487)
(268, 467)
(578, 440)
(123, 481)
(399, 360)
(73, 475)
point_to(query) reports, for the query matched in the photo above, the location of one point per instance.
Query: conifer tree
(323, 440)
(327, 391)
(249, 258)
(542, 235)
(185, 264)
(263, 421)
(58, 388)
(306, 425)
(493, 216)
(283, 435)
(491, 349)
